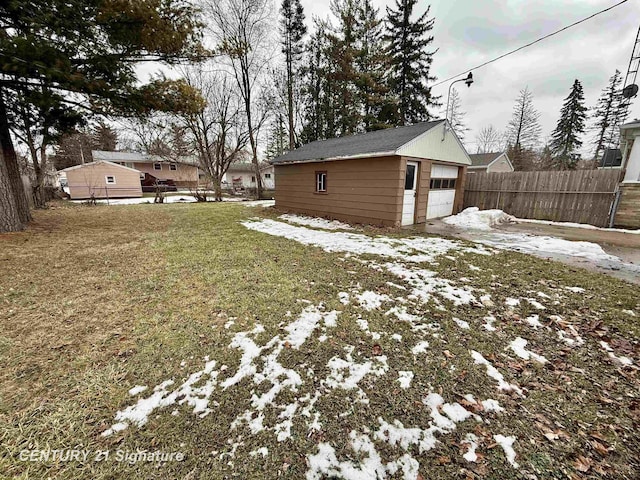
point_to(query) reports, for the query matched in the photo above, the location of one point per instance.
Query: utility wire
(531, 43)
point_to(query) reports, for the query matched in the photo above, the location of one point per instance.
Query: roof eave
(333, 159)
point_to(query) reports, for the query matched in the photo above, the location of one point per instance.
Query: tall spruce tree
(343, 49)
(292, 30)
(372, 64)
(607, 116)
(565, 139)
(409, 41)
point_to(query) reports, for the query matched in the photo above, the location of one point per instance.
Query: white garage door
(442, 191)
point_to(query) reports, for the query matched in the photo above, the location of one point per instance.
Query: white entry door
(409, 200)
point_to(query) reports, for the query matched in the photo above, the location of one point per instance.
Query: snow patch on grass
(461, 323)
(534, 321)
(404, 378)
(316, 222)
(371, 300)
(507, 445)
(421, 347)
(493, 372)
(625, 361)
(518, 347)
(137, 389)
(471, 440)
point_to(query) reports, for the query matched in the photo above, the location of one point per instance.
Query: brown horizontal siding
(384, 211)
(628, 213)
(367, 190)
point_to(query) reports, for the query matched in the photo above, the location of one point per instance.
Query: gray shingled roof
(483, 159)
(612, 157)
(380, 141)
(139, 157)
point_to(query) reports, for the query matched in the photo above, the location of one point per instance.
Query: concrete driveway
(618, 255)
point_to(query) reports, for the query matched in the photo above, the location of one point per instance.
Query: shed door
(442, 191)
(409, 200)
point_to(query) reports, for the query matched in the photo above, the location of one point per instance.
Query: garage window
(321, 182)
(442, 184)
(110, 179)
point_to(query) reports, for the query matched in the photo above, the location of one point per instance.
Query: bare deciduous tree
(456, 115)
(523, 130)
(489, 140)
(219, 131)
(242, 29)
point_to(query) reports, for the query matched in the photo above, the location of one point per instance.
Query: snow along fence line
(579, 196)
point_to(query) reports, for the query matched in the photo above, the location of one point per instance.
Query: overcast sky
(469, 32)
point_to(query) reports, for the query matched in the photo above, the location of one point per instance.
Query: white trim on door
(409, 193)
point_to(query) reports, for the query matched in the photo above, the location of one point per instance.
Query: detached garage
(393, 177)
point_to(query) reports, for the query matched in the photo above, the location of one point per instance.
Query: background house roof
(483, 159)
(246, 167)
(140, 157)
(378, 142)
(91, 164)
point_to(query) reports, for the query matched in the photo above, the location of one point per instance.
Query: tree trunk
(292, 139)
(16, 212)
(217, 188)
(9, 219)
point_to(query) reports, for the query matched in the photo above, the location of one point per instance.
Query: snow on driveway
(286, 397)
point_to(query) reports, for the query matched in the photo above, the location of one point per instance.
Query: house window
(157, 166)
(321, 181)
(173, 166)
(110, 179)
(267, 175)
(253, 179)
(128, 164)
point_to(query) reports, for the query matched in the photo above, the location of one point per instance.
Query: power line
(531, 43)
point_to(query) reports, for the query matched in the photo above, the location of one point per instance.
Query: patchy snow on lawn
(475, 219)
(507, 445)
(137, 389)
(518, 347)
(415, 250)
(625, 361)
(534, 321)
(471, 440)
(371, 300)
(404, 378)
(316, 222)
(461, 323)
(494, 373)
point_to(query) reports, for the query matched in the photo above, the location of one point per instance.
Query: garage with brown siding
(392, 177)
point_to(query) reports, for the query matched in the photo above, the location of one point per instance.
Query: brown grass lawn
(97, 300)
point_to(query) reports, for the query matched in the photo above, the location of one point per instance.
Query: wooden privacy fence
(581, 196)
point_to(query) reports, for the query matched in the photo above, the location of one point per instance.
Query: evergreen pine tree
(372, 64)
(277, 141)
(344, 77)
(411, 60)
(565, 139)
(607, 116)
(293, 30)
